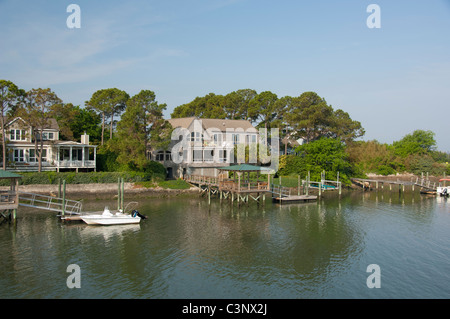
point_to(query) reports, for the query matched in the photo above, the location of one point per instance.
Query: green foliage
(385, 170)
(374, 157)
(325, 154)
(418, 164)
(419, 142)
(154, 170)
(45, 178)
(141, 124)
(175, 184)
(107, 102)
(106, 160)
(310, 117)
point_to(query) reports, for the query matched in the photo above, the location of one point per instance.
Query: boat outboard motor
(135, 213)
(444, 192)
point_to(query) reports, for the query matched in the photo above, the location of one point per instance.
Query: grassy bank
(54, 178)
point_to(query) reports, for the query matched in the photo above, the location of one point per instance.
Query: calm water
(187, 249)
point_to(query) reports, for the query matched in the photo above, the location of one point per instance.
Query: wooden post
(121, 194)
(298, 186)
(64, 198)
(320, 189)
(307, 184)
(209, 195)
(118, 193)
(339, 184)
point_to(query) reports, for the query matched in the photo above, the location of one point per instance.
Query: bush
(77, 178)
(175, 184)
(385, 170)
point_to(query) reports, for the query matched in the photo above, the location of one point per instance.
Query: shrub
(175, 184)
(385, 170)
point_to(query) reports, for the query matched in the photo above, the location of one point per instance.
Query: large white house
(57, 155)
(203, 145)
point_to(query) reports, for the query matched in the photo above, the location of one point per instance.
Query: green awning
(6, 174)
(245, 168)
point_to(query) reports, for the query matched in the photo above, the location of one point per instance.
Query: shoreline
(108, 190)
(103, 191)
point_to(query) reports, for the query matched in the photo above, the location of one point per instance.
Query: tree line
(306, 116)
(140, 121)
(124, 126)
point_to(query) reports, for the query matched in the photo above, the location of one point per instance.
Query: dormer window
(46, 136)
(17, 135)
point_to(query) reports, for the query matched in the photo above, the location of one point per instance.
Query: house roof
(52, 123)
(220, 124)
(7, 174)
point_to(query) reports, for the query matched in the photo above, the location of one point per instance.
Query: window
(250, 139)
(168, 156)
(19, 155)
(196, 136)
(17, 135)
(217, 138)
(46, 136)
(208, 155)
(77, 154)
(91, 154)
(235, 139)
(64, 154)
(33, 157)
(197, 155)
(222, 156)
(160, 156)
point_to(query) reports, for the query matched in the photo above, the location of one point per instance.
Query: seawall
(104, 190)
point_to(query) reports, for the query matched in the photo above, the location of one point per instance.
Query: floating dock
(295, 198)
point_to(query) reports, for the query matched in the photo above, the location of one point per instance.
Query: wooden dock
(294, 198)
(425, 185)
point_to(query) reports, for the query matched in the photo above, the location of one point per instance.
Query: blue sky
(393, 80)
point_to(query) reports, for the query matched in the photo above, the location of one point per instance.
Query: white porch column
(83, 156)
(57, 158)
(70, 157)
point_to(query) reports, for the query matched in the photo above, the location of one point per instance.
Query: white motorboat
(442, 189)
(108, 218)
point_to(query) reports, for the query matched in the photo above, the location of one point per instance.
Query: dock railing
(51, 203)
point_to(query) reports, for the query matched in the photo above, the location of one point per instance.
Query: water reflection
(189, 249)
(107, 232)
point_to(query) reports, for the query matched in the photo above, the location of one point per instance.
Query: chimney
(85, 139)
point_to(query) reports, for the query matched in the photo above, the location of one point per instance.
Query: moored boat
(443, 190)
(108, 218)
